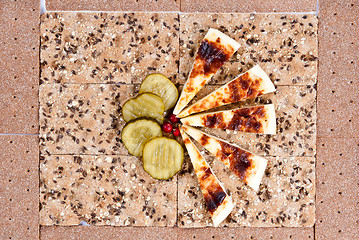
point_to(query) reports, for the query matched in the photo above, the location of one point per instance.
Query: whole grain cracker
(82, 119)
(284, 45)
(286, 196)
(103, 190)
(108, 47)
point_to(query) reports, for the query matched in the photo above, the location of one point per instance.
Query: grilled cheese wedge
(258, 119)
(215, 49)
(219, 203)
(251, 84)
(245, 165)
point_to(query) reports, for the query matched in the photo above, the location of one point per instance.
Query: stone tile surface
(128, 233)
(107, 232)
(246, 233)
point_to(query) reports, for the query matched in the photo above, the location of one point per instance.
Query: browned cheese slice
(258, 119)
(246, 165)
(219, 203)
(215, 49)
(251, 84)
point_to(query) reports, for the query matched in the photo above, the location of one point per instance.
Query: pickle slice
(144, 105)
(137, 133)
(162, 157)
(162, 87)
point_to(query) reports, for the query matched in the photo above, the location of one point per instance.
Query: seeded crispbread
(103, 190)
(283, 35)
(108, 47)
(82, 119)
(284, 45)
(286, 196)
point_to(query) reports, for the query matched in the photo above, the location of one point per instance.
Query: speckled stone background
(337, 104)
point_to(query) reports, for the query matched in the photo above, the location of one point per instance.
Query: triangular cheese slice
(251, 84)
(219, 203)
(215, 49)
(246, 165)
(258, 119)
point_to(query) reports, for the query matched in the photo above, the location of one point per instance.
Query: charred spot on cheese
(186, 141)
(211, 55)
(213, 197)
(213, 120)
(239, 160)
(204, 140)
(245, 119)
(207, 172)
(244, 87)
(212, 192)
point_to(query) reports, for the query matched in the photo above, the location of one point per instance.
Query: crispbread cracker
(108, 47)
(103, 190)
(284, 45)
(285, 198)
(82, 119)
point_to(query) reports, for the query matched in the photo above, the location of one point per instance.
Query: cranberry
(173, 118)
(167, 127)
(176, 132)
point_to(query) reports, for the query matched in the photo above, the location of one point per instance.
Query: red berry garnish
(176, 132)
(167, 127)
(173, 118)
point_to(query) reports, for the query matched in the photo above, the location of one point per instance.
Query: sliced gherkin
(137, 133)
(162, 157)
(162, 87)
(144, 105)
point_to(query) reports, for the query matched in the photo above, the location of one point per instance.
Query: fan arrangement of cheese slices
(215, 49)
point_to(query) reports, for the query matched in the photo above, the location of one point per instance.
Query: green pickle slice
(137, 133)
(161, 86)
(162, 157)
(144, 105)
